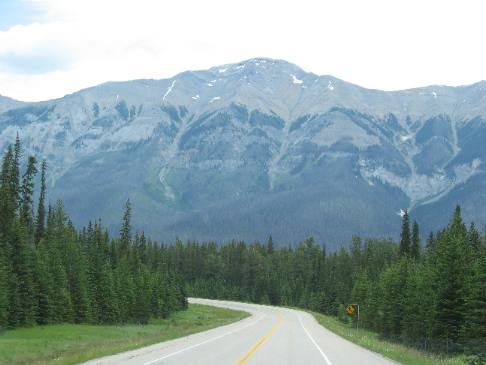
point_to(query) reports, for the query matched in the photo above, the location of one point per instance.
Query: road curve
(270, 336)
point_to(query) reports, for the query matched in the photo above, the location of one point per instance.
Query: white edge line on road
(205, 342)
(314, 342)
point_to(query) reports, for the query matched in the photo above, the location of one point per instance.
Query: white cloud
(377, 43)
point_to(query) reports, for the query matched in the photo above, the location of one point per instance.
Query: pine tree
(474, 238)
(3, 287)
(392, 287)
(15, 173)
(23, 263)
(44, 283)
(450, 265)
(474, 330)
(430, 241)
(126, 227)
(404, 248)
(106, 296)
(26, 211)
(41, 208)
(415, 248)
(8, 203)
(270, 247)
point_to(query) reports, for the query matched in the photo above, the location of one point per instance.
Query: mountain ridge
(280, 148)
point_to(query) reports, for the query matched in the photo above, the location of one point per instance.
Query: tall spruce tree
(126, 227)
(15, 173)
(3, 287)
(23, 268)
(27, 190)
(450, 280)
(474, 330)
(40, 219)
(415, 247)
(8, 203)
(404, 248)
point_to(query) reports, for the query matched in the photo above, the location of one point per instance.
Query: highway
(271, 335)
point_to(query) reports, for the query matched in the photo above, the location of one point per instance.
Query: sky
(49, 48)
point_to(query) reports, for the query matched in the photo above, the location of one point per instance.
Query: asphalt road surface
(271, 335)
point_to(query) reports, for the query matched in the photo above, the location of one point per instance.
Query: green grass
(66, 344)
(371, 340)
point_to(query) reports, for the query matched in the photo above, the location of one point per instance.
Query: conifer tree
(415, 248)
(7, 200)
(22, 263)
(449, 266)
(404, 248)
(474, 238)
(126, 227)
(474, 331)
(15, 173)
(27, 190)
(270, 245)
(43, 280)
(430, 241)
(41, 208)
(3, 288)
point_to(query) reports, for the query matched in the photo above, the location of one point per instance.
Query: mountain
(260, 147)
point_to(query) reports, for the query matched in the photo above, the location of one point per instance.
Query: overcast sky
(49, 48)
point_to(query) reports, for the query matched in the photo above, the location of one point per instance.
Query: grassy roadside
(68, 344)
(370, 340)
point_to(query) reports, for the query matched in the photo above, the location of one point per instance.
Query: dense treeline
(432, 297)
(51, 273)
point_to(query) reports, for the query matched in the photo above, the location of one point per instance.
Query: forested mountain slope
(256, 148)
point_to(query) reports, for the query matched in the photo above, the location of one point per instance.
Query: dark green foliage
(474, 330)
(415, 247)
(3, 288)
(434, 300)
(27, 192)
(40, 219)
(52, 273)
(405, 243)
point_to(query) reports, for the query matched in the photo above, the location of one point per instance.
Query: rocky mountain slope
(257, 148)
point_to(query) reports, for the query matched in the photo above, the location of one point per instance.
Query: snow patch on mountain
(295, 80)
(169, 90)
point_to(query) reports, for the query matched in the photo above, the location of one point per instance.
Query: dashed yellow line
(260, 343)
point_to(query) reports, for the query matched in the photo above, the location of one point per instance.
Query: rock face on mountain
(258, 148)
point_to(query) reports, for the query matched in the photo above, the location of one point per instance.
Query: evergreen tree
(8, 203)
(126, 227)
(270, 246)
(404, 248)
(26, 211)
(450, 280)
(15, 173)
(24, 290)
(474, 331)
(415, 247)
(44, 283)
(3, 288)
(41, 208)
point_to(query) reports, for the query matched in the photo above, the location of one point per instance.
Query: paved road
(271, 336)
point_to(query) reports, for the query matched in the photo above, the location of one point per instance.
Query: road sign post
(351, 309)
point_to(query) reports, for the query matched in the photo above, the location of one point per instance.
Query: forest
(431, 296)
(50, 272)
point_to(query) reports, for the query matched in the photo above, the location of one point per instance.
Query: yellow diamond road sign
(350, 309)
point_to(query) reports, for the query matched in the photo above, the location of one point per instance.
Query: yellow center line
(260, 343)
